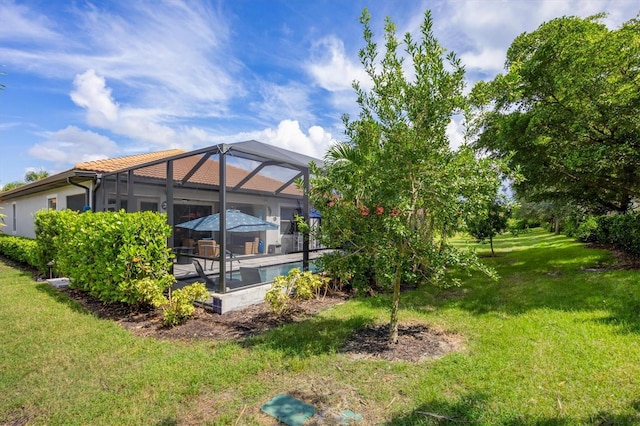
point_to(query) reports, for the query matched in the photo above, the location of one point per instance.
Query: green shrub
(49, 227)
(179, 306)
(587, 230)
(115, 256)
(20, 249)
(296, 285)
(353, 271)
(622, 231)
(150, 291)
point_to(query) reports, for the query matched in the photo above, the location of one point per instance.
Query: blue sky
(90, 80)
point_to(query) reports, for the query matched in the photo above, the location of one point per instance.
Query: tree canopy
(29, 177)
(567, 112)
(491, 222)
(394, 191)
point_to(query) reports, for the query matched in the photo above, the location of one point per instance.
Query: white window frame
(14, 218)
(52, 197)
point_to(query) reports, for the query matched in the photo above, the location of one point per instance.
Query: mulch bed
(416, 342)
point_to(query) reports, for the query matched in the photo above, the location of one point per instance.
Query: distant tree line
(29, 177)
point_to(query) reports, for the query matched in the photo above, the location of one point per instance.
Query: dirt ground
(416, 341)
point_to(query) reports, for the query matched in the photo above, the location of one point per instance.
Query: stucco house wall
(20, 211)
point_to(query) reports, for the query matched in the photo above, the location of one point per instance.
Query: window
(148, 206)
(14, 217)
(52, 203)
(76, 202)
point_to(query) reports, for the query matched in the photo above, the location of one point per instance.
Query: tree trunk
(557, 226)
(393, 324)
(493, 254)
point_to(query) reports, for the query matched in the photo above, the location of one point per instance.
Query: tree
(567, 112)
(491, 222)
(12, 185)
(29, 177)
(394, 191)
(33, 176)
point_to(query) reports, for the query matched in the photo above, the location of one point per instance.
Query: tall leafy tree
(491, 222)
(394, 191)
(567, 112)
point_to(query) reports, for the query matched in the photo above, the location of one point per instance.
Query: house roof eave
(49, 183)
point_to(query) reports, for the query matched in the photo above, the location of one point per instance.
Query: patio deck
(238, 295)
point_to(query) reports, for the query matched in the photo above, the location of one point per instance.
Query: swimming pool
(269, 272)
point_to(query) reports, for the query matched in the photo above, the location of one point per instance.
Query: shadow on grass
(470, 409)
(311, 337)
(558, 278)
(62, 298)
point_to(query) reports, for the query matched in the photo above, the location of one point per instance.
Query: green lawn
(555, 341)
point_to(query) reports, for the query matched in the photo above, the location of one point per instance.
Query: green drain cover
(288, 410)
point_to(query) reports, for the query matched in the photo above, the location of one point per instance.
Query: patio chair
(208, 282)
(250, 275)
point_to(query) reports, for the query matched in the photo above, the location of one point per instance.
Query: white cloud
(331, 68)
(481, 31)
(168, 55)
(92, 94)
(288, 135)
(17, 22)
(455, 132)
(487, 60)
(278, 101)
(72, 145)
(314, 142)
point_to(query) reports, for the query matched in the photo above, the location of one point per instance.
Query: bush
(179, 306)
(622, 231)
(586, 231)
(115, 256)
(295, 285)
(49, 227)
(352, 271)
(20, 249)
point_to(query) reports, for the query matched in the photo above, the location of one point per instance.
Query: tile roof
(119, 163)
(209, 174)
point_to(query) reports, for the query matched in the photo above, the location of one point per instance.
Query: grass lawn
(555, 341)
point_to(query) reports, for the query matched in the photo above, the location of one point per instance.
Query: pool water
(268, 273)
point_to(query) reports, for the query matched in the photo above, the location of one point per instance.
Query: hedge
(112, 255)
(622, 231)
(20, 249)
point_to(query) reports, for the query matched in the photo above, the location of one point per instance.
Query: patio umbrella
(236, 221)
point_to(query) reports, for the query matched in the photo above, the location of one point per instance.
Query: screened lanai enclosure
(219, 185)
